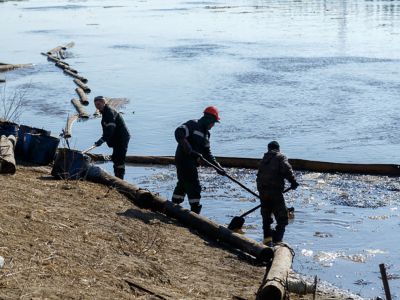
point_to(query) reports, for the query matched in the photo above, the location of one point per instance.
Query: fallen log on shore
(9, 67)
(275, 285)
(298, 164)
(75, 75)
(83, 86)
(7, 155)
(148, 200)
(82, 96)
(79, 108)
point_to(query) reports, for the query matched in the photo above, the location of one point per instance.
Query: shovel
(89, 149)
(237, 222)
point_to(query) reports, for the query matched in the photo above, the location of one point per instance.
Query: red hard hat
(212, 110)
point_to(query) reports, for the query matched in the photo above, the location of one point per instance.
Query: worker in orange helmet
(193, 139)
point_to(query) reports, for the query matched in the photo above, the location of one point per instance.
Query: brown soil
(80, 240)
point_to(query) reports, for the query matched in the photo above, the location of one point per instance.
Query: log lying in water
(298, 164)
(79, 108)
(274, 286)
(83, 86)
(75, 75)
(9, 67)
(63, 66)
(82, 96)
(59, 49)
(145, 199)
(54, 59)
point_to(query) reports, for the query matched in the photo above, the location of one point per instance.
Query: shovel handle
(230, 177)
(258, 206)
(89, 149)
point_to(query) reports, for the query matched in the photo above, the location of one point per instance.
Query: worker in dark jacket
(272, 172)
(193, 138)
(115, 134)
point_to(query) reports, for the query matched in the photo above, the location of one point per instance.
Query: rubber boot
(268, 241)
(118, 172)
(196, 208)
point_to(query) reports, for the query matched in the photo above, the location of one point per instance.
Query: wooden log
(298, 164)
(9, 67)
(83, 86)
(82, 96)
(79, 108)
(77, 76)
(274, 287)
(67, 133)
(63, 66)
(146, 199)
(54, 59)
(57, 49)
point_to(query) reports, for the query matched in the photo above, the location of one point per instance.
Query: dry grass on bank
(80, 240)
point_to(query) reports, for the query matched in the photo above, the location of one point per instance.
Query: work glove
(99, 143)
(294, 185)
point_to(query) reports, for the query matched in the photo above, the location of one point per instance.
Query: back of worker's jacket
(115, 131)
(198, 137)
(273, 170)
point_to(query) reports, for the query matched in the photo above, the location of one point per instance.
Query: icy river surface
(321, 77)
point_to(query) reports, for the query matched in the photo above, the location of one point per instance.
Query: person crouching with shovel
(272, 172)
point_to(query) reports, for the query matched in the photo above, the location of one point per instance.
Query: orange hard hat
(212, 110)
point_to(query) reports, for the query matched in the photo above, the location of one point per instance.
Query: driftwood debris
(275, 285)
(9, 67)
(298, 164)
(83, 86)
(82, 96)
(75, 75)
(58, 51)
(79, 108)
(208, 228)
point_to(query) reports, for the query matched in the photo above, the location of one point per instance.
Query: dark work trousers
(118, 158)
(188, 182)
(273, 203)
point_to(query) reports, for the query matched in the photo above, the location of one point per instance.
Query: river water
(321, 77)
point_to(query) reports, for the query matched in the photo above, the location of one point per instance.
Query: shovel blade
(236, 223)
